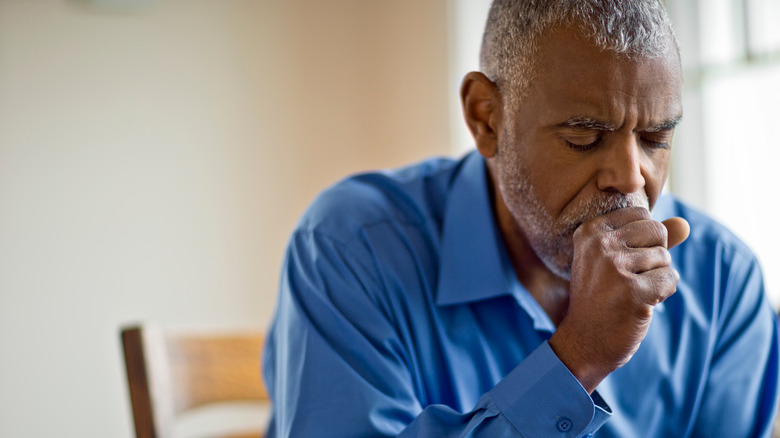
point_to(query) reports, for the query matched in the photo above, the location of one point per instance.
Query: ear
(482, 110)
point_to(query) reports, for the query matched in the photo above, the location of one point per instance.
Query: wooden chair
(171, 373)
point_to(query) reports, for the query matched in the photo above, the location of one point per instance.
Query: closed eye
(656, 144)
(581, 140)
(659, 136)
(582, 147)
(660, 140)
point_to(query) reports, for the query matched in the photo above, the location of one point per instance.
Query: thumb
(677, 230)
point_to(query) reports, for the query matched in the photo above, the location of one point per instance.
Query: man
(525, 290)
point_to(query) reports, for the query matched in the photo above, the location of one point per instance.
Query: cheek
(557, 188)
(572, 178)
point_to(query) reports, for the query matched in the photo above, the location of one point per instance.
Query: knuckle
(624, 261)
(584, 232)
(663, 233)
(654, 286)
(642, 292)
(664, 279)
(675, 277)
(579, 232)
(657, 231)
(634, 281)
(663, 256)
(604, 243)
(667, 283)
(589, 228)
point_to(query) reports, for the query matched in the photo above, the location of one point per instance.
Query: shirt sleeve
(335, 366)
(741, 392)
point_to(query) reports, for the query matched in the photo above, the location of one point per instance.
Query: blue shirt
(399, 314)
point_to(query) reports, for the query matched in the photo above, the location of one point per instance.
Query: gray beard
(551, 239)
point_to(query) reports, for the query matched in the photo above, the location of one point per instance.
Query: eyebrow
(667, 125)
(587, 123)
(598, 125)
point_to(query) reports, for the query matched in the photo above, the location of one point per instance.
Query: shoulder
(412, 195)
(367, 235)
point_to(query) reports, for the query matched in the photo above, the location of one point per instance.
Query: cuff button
(564, 424)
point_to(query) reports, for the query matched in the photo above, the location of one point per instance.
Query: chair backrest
(172, 372)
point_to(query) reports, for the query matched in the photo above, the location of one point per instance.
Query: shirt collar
(471, 265)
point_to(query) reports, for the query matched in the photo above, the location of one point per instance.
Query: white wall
(153, 162)
(743, 152)
(725, 150)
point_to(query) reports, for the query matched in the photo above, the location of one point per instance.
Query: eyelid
(580, 130)
(581, 147)
(658, 144)
(658, 136)
(582, 137)
(581, 133)
(579, 139)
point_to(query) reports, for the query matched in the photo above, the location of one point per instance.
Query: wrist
(587, 371)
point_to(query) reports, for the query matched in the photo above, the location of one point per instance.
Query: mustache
(600, 205)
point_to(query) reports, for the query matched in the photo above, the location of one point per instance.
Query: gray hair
(630, 27)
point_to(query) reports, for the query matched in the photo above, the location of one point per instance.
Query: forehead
(572, 74)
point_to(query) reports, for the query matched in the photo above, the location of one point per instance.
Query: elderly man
(525, 289)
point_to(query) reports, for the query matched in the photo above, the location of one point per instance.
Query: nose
(622, 168)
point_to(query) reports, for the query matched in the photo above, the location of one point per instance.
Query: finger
(622, 216)
(678, 230)
(642, 234)
(658, 284)
(616, 218)
(640, 260)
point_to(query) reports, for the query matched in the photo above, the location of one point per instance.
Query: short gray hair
(631, 27)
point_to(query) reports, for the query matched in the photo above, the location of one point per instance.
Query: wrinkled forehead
(569, 55)
(574, 77)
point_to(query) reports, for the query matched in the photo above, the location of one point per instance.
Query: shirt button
(564, 424)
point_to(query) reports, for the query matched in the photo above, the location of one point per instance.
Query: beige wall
(153, 162)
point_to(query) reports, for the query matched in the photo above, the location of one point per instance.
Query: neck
(549, 290)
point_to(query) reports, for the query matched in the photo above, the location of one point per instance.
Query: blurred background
(155, 155)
